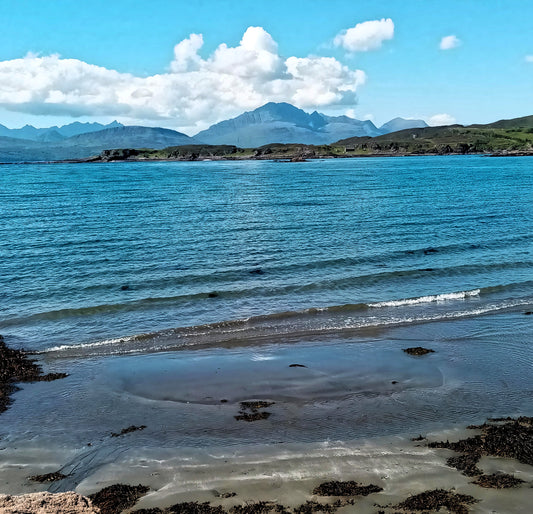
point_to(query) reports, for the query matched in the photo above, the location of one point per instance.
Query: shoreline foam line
(239, 332)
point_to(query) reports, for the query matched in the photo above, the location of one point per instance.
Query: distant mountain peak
(398, 123)
(284, 123)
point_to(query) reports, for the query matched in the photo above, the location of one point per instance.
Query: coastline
(289, 474)
(138, 419)
(118, 155)
(302, 155)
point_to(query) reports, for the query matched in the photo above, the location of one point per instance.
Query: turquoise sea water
(122, 257)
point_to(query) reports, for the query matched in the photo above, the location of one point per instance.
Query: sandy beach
(175, 422)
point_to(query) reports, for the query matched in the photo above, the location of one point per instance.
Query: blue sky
(102, 60)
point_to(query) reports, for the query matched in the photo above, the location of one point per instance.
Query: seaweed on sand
(310, 507)
(252, 416)
(498, 481)
(15, 366)
(48, 477)
(466, 463)
(435, 500)
(511, 438)
(349, 488)
(184, 508)
(250, 411)
(254, 405)
(260, 507)
(118, 497)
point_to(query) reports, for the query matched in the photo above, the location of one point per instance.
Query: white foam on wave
(96, 344)
(143, 343)
(461, 295)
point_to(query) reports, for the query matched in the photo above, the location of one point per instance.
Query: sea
(121, 257)
(172, 291)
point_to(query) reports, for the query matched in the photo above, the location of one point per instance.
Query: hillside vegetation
(502, 136)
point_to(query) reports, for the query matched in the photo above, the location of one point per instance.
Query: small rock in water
(212, 295)
(125, 287)
(128, 430)
(418, 350)
(257, 271)
(297, 366)
(427, 251)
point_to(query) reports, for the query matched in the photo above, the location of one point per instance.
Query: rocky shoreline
(280, 153)
(16, 366)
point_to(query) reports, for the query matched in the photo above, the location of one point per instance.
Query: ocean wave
(259, 291)
(294, 326)
(461, 295)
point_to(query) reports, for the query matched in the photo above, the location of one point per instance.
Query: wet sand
(349, 414)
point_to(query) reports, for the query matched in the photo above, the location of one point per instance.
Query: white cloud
(195, 93)
(449, 42)
(365, 36)
(441, 119)
(350, 113)
(529, 58)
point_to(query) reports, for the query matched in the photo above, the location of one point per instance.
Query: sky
(186, 65)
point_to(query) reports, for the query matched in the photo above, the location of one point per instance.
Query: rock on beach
(47, 503)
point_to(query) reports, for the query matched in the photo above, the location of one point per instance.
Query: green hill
(514, 135)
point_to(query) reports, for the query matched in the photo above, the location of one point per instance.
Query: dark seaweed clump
(250, 411)
(436, 499)
(498, 481)
(259, 508)
(118, 497)
(418, 350)
(128, 430)
(49, 477)
(184, 508)
(310, 507)
(466, 463)
(349, 488)
(503, 437)
(259, 404)
(15, 366)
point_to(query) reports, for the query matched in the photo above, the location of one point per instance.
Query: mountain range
(54, 134)
(271, 123)
(284, 123)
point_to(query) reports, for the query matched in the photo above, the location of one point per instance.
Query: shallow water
(350, 389)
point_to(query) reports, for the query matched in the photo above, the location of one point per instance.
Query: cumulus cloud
(194, 93)
(529, 58)
(365, 36)
(441, 119)
(449, 42)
